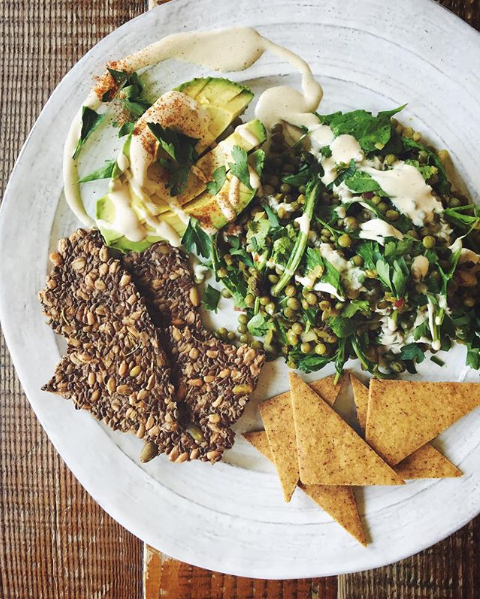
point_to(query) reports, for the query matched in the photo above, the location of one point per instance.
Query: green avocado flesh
(225, 101)
(207, 208)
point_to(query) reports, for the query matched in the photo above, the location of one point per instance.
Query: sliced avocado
(105, 213)
(247, 136)
(223, 99)
(207, 208)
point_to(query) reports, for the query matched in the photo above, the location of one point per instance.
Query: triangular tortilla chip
(329, 451)
(403, 415)
(426, 462)
(360, 397)
(339, 502)
(278, 422)
(277, 418)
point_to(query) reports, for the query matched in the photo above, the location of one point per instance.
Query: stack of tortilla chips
(313, 448)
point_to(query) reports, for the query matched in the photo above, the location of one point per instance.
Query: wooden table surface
(55, 541)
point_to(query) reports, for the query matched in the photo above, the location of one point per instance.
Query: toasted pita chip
(329, 451)
(327, 389)
(403, 415)
(277, 418)
(339, 502)
(426, 462)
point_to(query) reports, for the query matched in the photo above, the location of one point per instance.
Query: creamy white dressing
(406, 188)
(303, 224)
(345, 148)
(419, 268)
(225, 50)
(352, 276)
(124, 217)
(377, 230)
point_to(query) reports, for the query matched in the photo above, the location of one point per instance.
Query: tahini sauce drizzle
(225, 50)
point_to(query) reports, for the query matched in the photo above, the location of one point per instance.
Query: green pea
(311, 299)
(290, 291)
(297, 328)
(231, 336)
(392, 214)
(242, 328)
(344, 241)
(222, 331)
(291, 363)
(243, 319)
(249, 300)
(226, 293)
(273, 279)
(270, 308)
(281, 213)
(382, 207)
(339, 306)
(320, 349)
(285, 188)
(268, 190)
(222, 273)
(302, 189)
(305, 304)
(357, 260)
(325, 306)
(453, 202)
(264, 300)
(306, 348)
(301, 199)
(351, 224)
(244, 338)
(417, 136)
(256, 345)
(274, 180)
(331, 339)
(422, 156)
(293, 303)
(429, 242)
(289, 313)
(292, 338)
(390, 159)
(326, 233)
(376, 200)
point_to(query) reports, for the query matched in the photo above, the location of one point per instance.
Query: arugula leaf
(312, 363)
(370, 252)
(196, 240)
(422, 330)
(233, 241)
(90, 121)
(244, 255)
(340, 358)
(393, 112)
(309, 318)
(258, 325)
(239, 168)
(362, 182)
(126, 129)
(326, 151)
(332, 276)
(211, 298)
(465, 221)
(372, 132)
(272, 217)
(219, 178)
(105, 172)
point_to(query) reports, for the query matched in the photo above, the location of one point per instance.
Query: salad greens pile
(315, 287)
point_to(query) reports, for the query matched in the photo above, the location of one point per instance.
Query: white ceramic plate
(231, 517)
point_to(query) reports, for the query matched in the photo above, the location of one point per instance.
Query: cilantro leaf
(426, 170)
(196, 240)
(257, 161)
(211, 298)
(342, 327)
(312, 363)
(105, 172)
(304, 175)
(356, 306)
(239, 168)
(393, 112)
(326, 151)
(383, 271)
(443, 184)
(400, 276)
(458, 216)
(412, 351)
(422, 330)
(345, 171)
(219, 178)
(309, 318)
(258, 325)
(90, 121)
(257, 232)
(272, 217)
(370, 252)
(332, 276)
